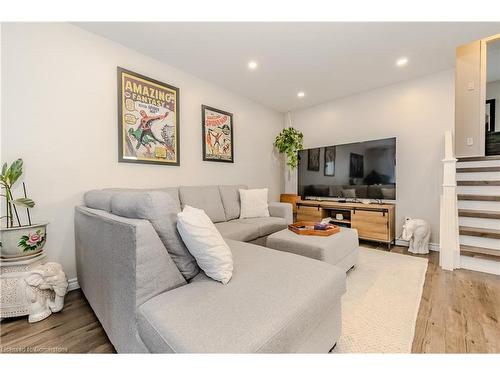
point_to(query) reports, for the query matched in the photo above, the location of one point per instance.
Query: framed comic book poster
(148, 120)
(217, 135)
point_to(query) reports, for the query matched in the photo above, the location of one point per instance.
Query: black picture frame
(356, 165)
(491, 126)
(206, 156)
(329, 161)
(313, 159)
(121, 129)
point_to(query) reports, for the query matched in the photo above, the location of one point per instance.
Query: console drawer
(371, 224)
(310, 213)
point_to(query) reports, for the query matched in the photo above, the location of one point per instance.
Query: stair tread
(479, 183)
(478, 169)
(474, 250)
(479, 213)
(478, 158)
(477, 197)
(479, 232)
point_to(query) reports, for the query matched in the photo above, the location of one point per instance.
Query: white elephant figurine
(47, 286)
(418, 232)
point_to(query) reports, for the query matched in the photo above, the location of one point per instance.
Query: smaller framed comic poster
(148, 120)
(217, 133)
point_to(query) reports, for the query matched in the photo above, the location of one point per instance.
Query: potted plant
(18, 240)
(289, 142)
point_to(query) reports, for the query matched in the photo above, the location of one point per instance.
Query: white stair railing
(449, 247)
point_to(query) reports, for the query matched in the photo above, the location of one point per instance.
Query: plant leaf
(289, 142)
(4, 169)
(24, 202)
(15, 171)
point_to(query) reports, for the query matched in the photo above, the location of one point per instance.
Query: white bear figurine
(418, 232)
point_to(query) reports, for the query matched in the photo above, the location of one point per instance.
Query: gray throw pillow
(161, 211)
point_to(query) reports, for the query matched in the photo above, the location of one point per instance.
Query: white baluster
(449, 255)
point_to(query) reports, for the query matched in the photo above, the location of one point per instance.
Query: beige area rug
(380, 306)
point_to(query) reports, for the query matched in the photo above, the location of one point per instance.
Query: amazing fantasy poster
(148, 120)
(217, 135)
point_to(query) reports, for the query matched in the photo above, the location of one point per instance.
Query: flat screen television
(362, 170)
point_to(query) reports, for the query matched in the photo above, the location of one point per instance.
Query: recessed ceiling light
(402, 61)
(252, 65)
(301, 94)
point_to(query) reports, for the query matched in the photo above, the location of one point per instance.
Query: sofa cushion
(173, 192)
(160, 209)
(265, 225)
(238, 231)
(206, 198)
(273, 301)
(98, 199)
(230, 196)
(101, 199)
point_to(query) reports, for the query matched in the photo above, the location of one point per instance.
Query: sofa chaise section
(274, 303)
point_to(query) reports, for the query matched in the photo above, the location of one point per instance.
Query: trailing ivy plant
(8, 178)
(289, 142)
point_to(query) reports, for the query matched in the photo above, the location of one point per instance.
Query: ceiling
(325, 60)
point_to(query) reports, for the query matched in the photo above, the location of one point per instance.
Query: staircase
(478, 196)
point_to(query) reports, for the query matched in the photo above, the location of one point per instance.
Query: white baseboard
(432, 246)
(73, 284)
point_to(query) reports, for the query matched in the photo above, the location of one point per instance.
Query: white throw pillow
(205, 244)
(253, 203)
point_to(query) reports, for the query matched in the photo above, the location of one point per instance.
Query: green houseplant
(289, 142)
(17, 239)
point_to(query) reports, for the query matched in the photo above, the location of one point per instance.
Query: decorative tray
(307, 228)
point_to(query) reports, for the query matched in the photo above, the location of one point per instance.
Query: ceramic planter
(23, 241)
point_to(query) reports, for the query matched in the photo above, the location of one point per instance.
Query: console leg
(333, 347)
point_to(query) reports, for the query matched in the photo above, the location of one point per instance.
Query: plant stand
(14, 300)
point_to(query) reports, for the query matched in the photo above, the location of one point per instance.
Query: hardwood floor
(73, 330)
(459, 313)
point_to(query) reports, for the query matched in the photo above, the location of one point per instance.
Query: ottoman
(340, 249)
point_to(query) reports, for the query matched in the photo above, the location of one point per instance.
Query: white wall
(469, 100)
(60, 115)
(417, 112)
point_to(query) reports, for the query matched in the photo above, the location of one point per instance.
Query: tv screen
(364, 170)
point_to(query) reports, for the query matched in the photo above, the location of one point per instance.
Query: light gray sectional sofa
(128, 268)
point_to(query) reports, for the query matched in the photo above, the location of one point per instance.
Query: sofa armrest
(121, 263)
(283, 210)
